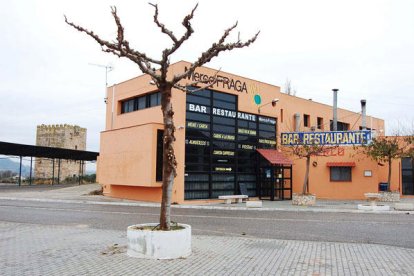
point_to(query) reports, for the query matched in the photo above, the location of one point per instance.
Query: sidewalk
(79, 194)
(27, 249)
(77, 249)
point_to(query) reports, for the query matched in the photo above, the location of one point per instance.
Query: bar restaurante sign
(326, 138)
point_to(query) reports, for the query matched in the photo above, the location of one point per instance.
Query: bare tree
(289, 88)
(387, 148)
(158, 69)
(307, 151)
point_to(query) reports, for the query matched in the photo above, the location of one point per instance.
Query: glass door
(407, 172)
(266, 183)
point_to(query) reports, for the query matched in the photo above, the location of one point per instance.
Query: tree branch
(162, 26)
(177, 42)
(121, 47)
(214, 51)
(208, 83)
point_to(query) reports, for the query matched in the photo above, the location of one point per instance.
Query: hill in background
(6, 164)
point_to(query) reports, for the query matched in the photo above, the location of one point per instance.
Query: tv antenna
(108, 68)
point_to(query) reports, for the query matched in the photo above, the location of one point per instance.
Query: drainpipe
(113, 107)
(335, 109)
(297, 121)
(364, 114)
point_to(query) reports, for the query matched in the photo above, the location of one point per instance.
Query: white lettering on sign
(224, 112)
(246, 116)
(267, 120)
(197, 108)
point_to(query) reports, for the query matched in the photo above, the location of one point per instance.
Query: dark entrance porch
(275, 176)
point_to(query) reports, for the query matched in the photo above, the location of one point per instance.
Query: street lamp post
(273, 102)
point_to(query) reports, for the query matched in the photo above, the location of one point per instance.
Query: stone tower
(59, 136)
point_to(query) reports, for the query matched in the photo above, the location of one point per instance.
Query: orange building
(219, 133)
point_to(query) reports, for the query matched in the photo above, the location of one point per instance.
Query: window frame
(306, 120)
(133, 104)
(341, 174)
(319, 123)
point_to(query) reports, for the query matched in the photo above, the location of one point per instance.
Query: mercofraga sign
(222, 81)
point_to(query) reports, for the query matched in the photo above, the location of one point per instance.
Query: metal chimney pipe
(364, 114)
(297, 122)
(335, 109)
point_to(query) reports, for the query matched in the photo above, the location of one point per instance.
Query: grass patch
(96, 192)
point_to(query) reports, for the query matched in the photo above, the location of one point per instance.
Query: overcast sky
(364, 48)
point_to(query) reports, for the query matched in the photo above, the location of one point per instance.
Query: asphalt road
(396, 230)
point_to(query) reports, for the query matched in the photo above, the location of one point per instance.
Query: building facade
(219, 133)
(59, 136)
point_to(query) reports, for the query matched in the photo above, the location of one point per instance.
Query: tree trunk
(306, 181)
(169, 162)
(389, 174)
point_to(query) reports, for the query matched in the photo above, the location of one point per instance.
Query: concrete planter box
(389, 196)
(303, 200)
(159, 244)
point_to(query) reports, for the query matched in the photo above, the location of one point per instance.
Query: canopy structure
(22, 150)
(275, 175)
(274, 157)
(340, 164)
(46, 152)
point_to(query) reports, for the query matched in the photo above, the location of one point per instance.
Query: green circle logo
(257, 99)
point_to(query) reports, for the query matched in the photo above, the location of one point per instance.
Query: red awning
(340, 164)
(274, 157)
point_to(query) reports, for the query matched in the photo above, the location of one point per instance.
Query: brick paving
(31, 249)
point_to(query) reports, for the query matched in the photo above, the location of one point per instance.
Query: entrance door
(407, 172)
(275, 183)
(266, 183)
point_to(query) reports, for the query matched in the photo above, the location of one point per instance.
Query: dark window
(198, 100)
(320, 123)
(128, 106)
(268, 128)
(341, 126)
(224, 97)
(406, 163)
(158, 176)
(154, 100)
(225, 105)
(216, 164)
(224, 121)
(203, 93)
(141, 102)
(306, 120)
(341, 173)
(224, 129)
(267, 135)
(198, 117)
(281, 115)
(366, 128)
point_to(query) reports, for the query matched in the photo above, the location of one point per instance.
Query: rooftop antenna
(108, 68)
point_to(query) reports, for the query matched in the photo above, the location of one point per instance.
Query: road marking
(211, 216)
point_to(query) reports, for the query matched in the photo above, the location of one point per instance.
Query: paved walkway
(31, 249)
(27, 249)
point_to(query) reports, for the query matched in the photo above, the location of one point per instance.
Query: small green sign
(257, 99)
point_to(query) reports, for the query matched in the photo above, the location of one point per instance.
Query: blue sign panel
(326, 138)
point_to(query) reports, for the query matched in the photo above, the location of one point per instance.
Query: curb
(228, 208)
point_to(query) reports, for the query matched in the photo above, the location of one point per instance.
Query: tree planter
(303, 200)
(389, 196)
(158, 244)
